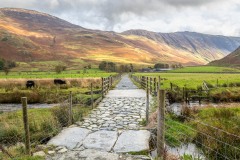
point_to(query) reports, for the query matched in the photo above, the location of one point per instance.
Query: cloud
(207, 16)
(189, 2)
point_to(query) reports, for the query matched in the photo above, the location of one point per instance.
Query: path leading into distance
(110, 131)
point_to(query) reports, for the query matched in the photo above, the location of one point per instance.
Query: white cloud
(206, 16)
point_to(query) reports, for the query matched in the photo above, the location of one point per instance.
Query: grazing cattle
(30, 84)
(59, 81)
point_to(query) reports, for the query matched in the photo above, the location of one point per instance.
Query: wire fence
(177, 93)
(24, 131)
(186, 137)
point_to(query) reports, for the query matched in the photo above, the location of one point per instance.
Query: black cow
(59, 81)
(30, 84)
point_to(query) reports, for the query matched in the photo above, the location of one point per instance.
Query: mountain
(208, 46)
(231, 60)
(31, 36)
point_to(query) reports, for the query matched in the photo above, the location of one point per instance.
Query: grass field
(204, 69)
(193, 80)
(65, 74)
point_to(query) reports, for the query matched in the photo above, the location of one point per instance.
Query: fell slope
(27, 36)
(231, 60)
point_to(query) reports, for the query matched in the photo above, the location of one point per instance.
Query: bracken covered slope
(27, 36)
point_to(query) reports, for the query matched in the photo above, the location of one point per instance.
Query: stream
(9, 107)
(184, 149)
(177, 107)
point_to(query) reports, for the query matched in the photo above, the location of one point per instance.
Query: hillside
(231, 60)
(31, 36)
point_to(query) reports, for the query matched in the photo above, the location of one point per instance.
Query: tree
(7, 65)
(59, 68)
(180, 65)
(107, 66)
(131, 67)
(1, 64)
(102, 65)
(166, 65)
(174, 66)
(159, 65)
(6, 70)
(89, 66)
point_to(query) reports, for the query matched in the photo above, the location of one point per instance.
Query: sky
(218, 17)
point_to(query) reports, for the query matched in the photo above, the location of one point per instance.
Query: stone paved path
(123, 108)
(111, 129)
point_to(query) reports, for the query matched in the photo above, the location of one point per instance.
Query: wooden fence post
(70, 109)
(183, 93)
(186, 97)
(147, 83)
(26, 125)
(171, 86)
(154, 86)
(150, 85)
(92, 95)
(159, 83)
(111, 81)
(161, 124)
(102, 87)
(108, 83)
(144, 82)
(147, 104)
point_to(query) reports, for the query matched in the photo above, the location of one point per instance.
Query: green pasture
(193, 80)
(51, 74)
(204, 69)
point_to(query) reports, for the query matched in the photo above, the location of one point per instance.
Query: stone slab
(70, 137)
(91, 154)
(138, 93)
(101, 140)
(132, 141)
